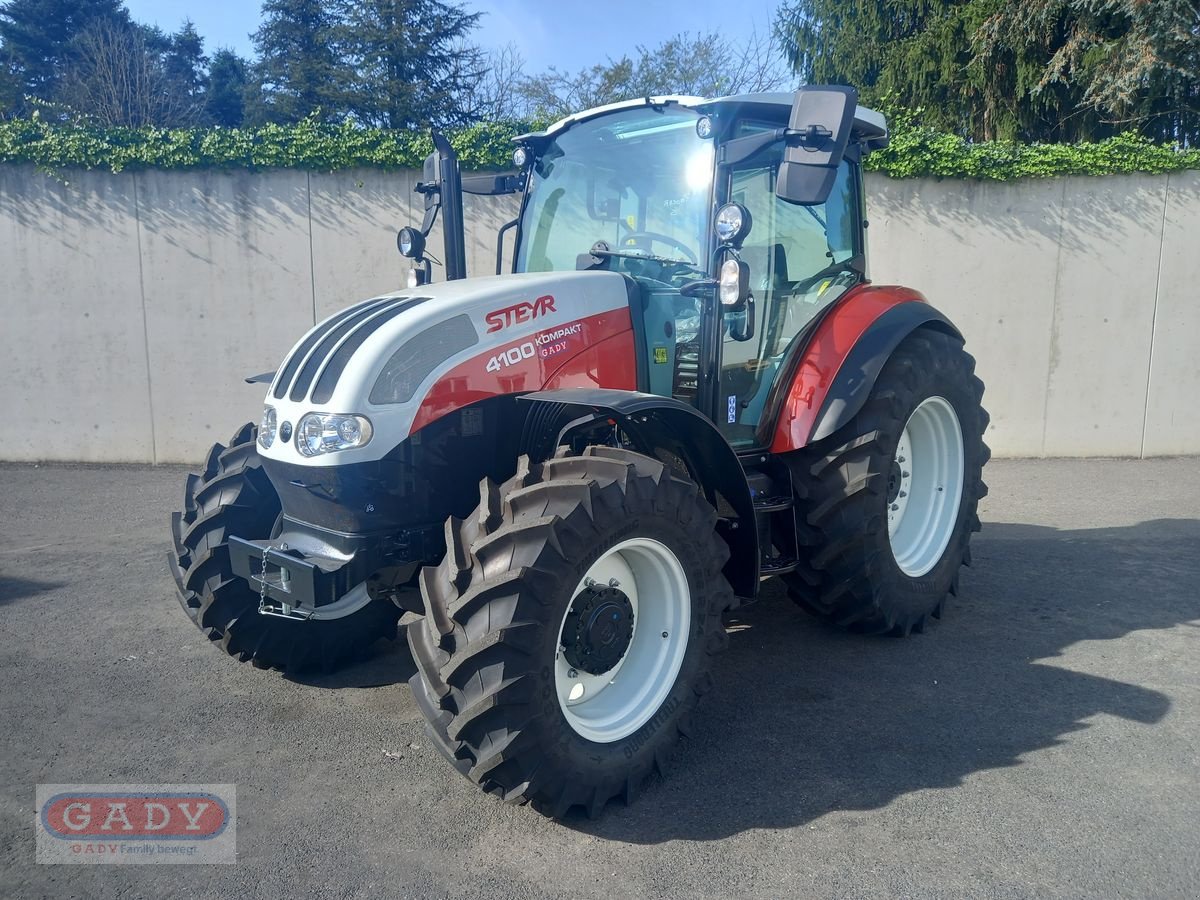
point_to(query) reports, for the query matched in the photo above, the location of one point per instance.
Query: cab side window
(797, 256)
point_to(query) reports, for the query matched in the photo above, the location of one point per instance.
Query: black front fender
(862, 365)
(664, 424)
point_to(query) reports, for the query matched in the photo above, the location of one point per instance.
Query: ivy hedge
(915, 150)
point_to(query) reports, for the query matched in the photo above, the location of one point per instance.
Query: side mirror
(818, 131)
(431, 180)
(490, 184)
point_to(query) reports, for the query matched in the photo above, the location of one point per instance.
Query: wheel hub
(895, 477)
(598, 629)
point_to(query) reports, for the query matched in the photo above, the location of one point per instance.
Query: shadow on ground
(806, 719)
(19, 588)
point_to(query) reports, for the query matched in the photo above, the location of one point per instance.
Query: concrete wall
(132, 305)
(1078, 296)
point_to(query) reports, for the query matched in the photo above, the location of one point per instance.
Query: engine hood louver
(320, 359)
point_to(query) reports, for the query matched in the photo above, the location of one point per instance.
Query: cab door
(801, 259)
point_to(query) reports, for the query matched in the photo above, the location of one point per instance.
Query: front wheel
(570, 628)
(232, 496)
(886, 505)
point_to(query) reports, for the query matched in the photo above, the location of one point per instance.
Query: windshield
(640, 180)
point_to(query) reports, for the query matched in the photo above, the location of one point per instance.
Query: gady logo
(136, 823)
(524, 311)
(135, 817)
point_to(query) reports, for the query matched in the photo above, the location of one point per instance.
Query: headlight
(266, 431)
(318, 433)
(732, 224)
(410, 242)
(734, 285)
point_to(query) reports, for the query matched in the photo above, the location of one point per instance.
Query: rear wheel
(570, 628)
(886, 506)
(233, 496)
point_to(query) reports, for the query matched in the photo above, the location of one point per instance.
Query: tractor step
(778, 565)
(772, 504)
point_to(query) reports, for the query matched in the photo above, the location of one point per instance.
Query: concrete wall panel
(355, 217)
(986, 256)
(1104, 306)
(1173, 397)
(228, 285)
(72, 346)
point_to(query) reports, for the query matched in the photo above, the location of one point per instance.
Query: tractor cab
(736, 221)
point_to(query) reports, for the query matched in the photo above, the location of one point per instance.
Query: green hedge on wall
(914, 150)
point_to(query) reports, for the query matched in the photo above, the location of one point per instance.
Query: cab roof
(869, 125)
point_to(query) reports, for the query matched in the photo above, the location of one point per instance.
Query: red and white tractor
(570, 473)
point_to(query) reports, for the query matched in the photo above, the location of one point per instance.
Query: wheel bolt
(613, 583)
(589, 582)
(902, 494)
(571, 673)
(895, 506)
(664, 634)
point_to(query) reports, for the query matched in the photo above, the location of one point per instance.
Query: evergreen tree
(36, 42)
(1056, 70)
(185, 63)
(1135, 63)
(228, 82)
(412, 64)
(299, 70)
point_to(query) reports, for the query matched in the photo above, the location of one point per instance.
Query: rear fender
(655, 424)
(842, 359)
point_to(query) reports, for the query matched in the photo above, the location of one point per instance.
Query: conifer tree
(299, 69)
(411, 61)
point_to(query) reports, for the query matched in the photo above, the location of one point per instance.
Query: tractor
(565, 476)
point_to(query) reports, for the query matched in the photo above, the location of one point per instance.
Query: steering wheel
(662, 239)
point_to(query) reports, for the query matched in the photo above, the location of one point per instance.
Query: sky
(567, 34)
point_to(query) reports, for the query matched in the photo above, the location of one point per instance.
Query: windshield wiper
(600, 251)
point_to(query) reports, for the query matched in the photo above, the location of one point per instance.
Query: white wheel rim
(925, 486)
(613, 705)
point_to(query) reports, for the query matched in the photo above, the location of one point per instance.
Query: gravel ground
(1040, 740)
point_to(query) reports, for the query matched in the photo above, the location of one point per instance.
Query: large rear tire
(570, 628)
(887, 504)
(233, 496)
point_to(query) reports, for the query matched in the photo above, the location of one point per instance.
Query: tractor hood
(406, 359)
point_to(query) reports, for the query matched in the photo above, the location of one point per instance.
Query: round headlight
(310, 436)
(732, 223)
(410, 242)
(349, 431)
(320, 433)
(520, 157)
(266, 431)
(704, 127)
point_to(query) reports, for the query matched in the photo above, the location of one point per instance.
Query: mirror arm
(747, 331)
(500, 242)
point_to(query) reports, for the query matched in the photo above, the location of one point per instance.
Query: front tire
(886, 505)
(232, 495)
(593, 579)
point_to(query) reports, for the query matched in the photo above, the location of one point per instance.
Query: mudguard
(843, 357)
(664, 423)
